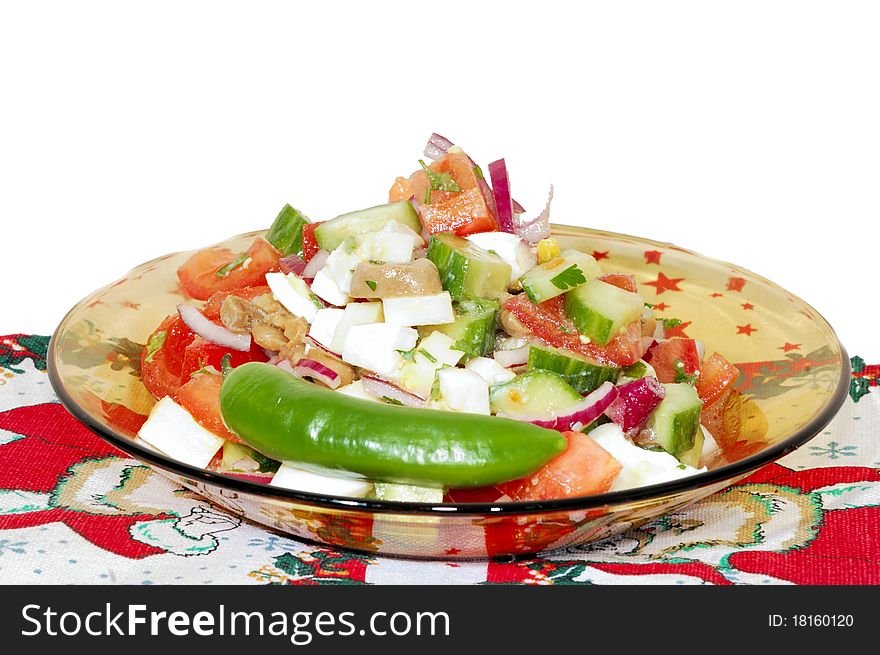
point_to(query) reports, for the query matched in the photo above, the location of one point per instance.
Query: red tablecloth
(74, 510)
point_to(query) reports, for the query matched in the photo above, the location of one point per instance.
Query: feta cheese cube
(374, 346)
(394, 244)
(419, 310)
(294, 294)
(324, 326)
(325, 287)
(290, 476)
(463, 390)
(490, 370)
(356, 313)
(172, 430)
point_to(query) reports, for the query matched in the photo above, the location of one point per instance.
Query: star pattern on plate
(736, 284)
(789, 346)
(600, 255)
(653, 256)
(663, 283)
(747, 306)
(661, 307)
(677, 331)
(746, 329)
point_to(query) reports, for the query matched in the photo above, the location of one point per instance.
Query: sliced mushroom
(238, 314)
(418, 278)
(268, 336)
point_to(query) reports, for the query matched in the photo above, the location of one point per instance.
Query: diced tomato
(584, 468)
(717, 375)
(400, 190)
(200, 396)
(215, 302)
(201, 353)
(463, 212)
(161, 371)
(621, 281)
(476, 495)
(198, 275)
(309, 241)
(664, 355)
(547, 322)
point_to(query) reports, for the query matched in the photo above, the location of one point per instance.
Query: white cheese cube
(356, 390)
(324, 326)
(289, 476)
(463, 390)
(440, 347)
(340, 266)
(433, 352)
(325, 287)
(394, 244)
(172, 430)
(294, 294)
(640, 467)
(419, 310)
(356, 313)
(374, 346)
(490, 370)
(510, 248)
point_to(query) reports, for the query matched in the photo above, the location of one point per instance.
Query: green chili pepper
(292, 420)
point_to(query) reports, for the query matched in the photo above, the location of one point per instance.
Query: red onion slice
(310, 368)
(320, 346)
(501, 193)
(383, 389)
(584, 412)
(292, 264)
(512, 358)
(635, 402)
(518, 208)
(437, 146)
(539, 227)
(210, 331)
(316, 263)
(259, 478)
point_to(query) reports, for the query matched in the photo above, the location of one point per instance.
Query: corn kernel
(547, 250)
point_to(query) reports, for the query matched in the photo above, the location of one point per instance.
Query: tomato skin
(200, 396)
(309, 242)
(198, 275)
(621, 281)
(475, 495)
(201, 353)
(215, 302)
(547, 322)
(662, 357)
(717, 375)
(161, 374)
(584, 468)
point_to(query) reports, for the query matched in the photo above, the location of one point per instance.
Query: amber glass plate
(794, 377)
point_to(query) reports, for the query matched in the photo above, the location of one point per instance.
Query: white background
(748, 131)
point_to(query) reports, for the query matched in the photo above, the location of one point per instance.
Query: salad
(437, 347)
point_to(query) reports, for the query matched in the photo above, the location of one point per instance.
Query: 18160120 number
(811, 621)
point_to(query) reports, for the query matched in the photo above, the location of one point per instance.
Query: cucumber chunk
(557, 276)
(676, 423)
(533, 395)
(466, 270)
(286, 231)
(599, 310)
(330, 234)
(473, 328)
(583, 375)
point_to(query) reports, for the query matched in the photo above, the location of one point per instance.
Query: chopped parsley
(439, 181)
(670, 323)
(407, 354)
(371, 284)
(478, 172)
(649, 305)
(231, 266)
(435, 389)
(569, 278)
(428, 356)
(681, 373)
(682, 467)
(202, 369)
(426, 199)
(393, 401)
(155, 343)
(635, 371)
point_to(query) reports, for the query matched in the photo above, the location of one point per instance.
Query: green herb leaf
(569, 278)
(440, 181)
(371, 284)
(478, 172)
(202, 369)
(235, 263)
(428, 356)
(649, 305)
(682, 467)
(226, 364)
(154, 344)
(407, 354)
(635, 371)
(670, 323)
(435, 389)
(426, 200)
(681, 375)
(393, 401)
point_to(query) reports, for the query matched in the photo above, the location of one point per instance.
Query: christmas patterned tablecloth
(75, 510)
